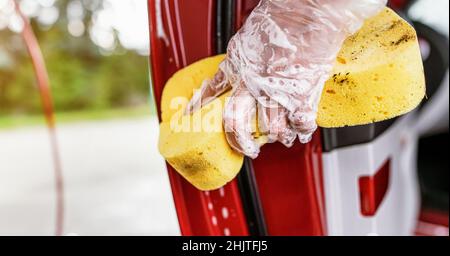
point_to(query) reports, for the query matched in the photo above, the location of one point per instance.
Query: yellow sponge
(378, 75)
(200, 154)
(203, 158)
(183, 83)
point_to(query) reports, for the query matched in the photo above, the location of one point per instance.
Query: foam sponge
(200, 154)
(377, 76)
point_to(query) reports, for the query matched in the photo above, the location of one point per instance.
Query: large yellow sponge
(378, 75)
(200, 154)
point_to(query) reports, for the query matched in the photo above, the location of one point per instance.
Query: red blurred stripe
(47, 105)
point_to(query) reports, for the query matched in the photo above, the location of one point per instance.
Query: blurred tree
(83, 75)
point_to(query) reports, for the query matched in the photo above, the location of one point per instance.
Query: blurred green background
(94, 72)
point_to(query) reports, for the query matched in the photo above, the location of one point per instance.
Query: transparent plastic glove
(277, 66)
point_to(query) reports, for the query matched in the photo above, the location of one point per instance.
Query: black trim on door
(336, 138)
(225, 29)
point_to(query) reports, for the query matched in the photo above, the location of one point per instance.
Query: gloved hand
(277, 66)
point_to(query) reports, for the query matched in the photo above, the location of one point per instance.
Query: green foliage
(11, 122)
(81, 76)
